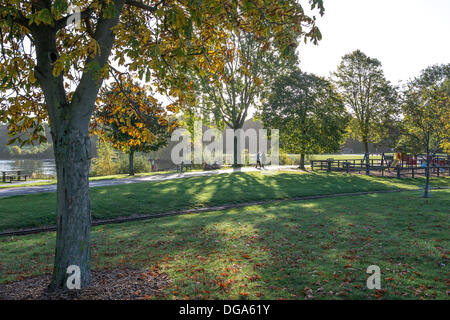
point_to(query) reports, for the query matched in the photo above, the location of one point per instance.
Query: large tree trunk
(302, 161)
(69, 122)
(131, 163)
(72, 153)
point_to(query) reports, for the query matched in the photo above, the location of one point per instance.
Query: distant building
(353, 146)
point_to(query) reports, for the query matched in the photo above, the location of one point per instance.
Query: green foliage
(426, 109)
(43, 150)
(250, 65)
(131, 119)
(285, 160)
(141, 164)
(308, 112)
(182, 35)
(15, 151)
(409, 144)
(110, 162)
(104, 163)
(369, 96)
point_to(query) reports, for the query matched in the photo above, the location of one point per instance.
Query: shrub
(104, 164)
(285, 160)
(141, 164)
(41, 176)
(15, 151)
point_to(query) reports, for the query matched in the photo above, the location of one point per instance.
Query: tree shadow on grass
(187, 193)
(293, 250)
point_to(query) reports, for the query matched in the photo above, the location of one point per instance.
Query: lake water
(46, 167)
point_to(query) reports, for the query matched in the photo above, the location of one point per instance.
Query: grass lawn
(161, 196)
(292, 250)
(30, 183)
(110, 177)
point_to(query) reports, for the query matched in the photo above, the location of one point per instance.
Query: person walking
(258, 160)
(263, 159)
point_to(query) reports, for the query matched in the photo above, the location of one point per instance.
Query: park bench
(214, 166)
(14, 176)
(182, 166)
(6, 178)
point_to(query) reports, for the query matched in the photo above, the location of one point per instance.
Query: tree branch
(144, 6)
(90, 82)
(85, 14)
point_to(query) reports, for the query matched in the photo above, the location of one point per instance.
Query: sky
(405, 35)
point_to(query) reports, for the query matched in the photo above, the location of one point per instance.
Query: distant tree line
(38, 151)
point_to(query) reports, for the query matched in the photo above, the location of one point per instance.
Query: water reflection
(46, 167)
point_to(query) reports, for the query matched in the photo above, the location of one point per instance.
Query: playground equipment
(387, 160)
(397, 159)
(397, 165)
(408, 160)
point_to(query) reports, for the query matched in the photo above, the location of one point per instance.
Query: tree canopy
(308, 112)
(371, 99)
(250, 66)
(426, 110)
(158, 40)
(131, 120)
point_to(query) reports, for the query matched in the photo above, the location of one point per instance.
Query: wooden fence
(377, 167)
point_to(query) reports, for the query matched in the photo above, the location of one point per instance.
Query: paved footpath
(16, 191)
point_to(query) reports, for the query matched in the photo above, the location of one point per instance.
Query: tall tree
(250, 66)
(308, 112)
(50, 70)
(368, 95)
(426, 110)
(131, 120)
